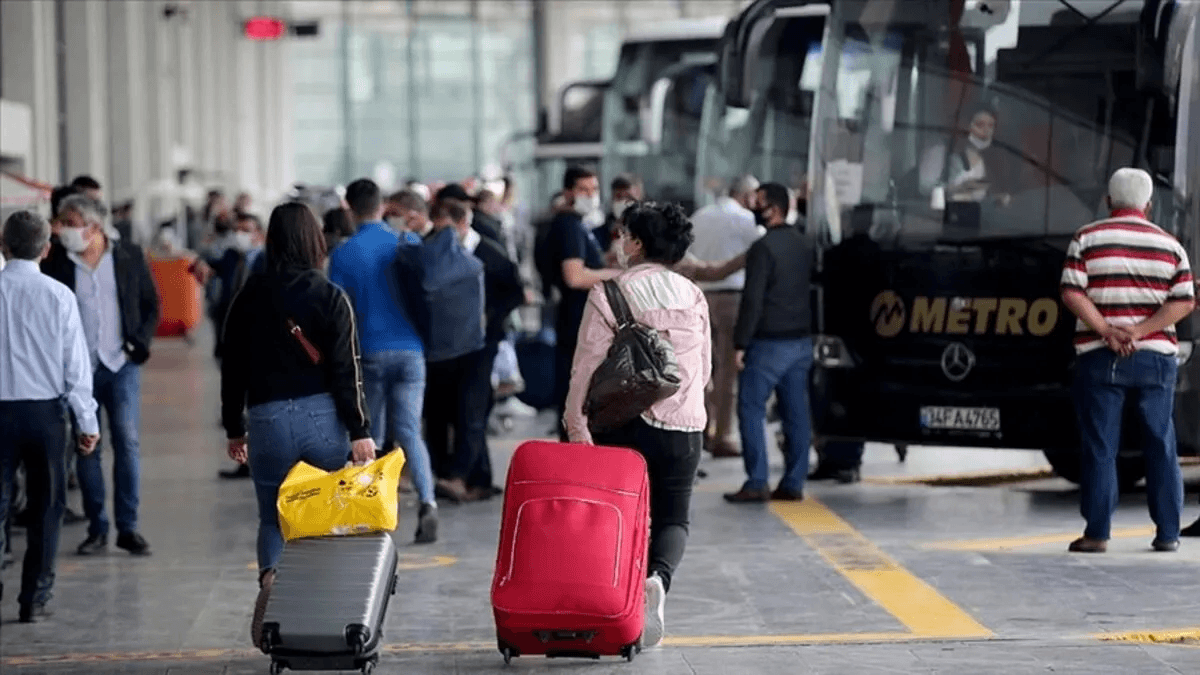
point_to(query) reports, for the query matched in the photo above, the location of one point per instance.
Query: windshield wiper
(1088, 23)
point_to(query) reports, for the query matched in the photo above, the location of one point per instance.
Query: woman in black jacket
(292, 356)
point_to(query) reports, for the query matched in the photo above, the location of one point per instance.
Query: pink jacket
(663, 300)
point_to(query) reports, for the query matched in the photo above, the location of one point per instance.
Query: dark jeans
(457, 396)
(781, 366)
(1103, 380)
(672, 458)
(120, 395)
(35, 433)
(564, 355)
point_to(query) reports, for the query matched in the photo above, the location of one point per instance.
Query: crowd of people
(389, 322)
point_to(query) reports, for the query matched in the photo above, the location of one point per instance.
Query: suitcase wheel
(276, 667)
(629, 651)
(508, 653)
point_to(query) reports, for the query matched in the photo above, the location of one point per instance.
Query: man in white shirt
(722, 231)
(45, 370)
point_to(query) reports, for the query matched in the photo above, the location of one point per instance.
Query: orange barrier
(179, 296)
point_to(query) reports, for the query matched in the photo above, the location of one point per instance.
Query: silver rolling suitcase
(328, 603)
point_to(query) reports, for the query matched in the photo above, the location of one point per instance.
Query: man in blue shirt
(393, 356)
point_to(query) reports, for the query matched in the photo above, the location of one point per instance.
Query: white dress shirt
(723, 230)
(43, 354)
(100, 311)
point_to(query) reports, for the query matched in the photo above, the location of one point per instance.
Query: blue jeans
(280, 434)
(1103, 380)
(395, 387)
(119, 394)
(781, 366)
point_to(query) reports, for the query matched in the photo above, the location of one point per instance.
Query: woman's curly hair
(664, 230)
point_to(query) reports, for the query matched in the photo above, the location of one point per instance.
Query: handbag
(639, 370)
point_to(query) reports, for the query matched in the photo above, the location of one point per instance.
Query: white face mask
(585, 205)
(73, 240)
(979, 143)
(243, 241)
(397, 223)
(619, 208)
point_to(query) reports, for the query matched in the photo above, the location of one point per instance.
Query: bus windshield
(961, 120)
(652, 114)
(769, 139)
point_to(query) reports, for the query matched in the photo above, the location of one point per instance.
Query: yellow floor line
(1005, 543)
(913, 602)
(1187, 637)
(988, 477)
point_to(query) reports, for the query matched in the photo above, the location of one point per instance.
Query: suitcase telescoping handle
(545, 636)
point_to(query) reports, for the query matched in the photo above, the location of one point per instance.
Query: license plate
(960, 419)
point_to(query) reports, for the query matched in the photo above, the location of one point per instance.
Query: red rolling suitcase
(571, 568)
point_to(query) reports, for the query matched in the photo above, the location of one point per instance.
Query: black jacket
(503, 291)
(777, 298)
(489, 226)
(264, 362)
(137, 296)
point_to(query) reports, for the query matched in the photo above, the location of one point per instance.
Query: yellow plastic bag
(353, 500)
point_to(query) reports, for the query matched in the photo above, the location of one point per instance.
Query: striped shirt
(1129, 268)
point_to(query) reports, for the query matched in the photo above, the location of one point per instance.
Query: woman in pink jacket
(649, 240)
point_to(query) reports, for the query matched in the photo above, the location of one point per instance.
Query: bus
(570, 136)
(937, 295)
(757, 113)
(652, 107)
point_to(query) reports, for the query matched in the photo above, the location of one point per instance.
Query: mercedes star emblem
(957, 361)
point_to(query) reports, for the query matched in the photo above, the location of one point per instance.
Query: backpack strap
(616, 301)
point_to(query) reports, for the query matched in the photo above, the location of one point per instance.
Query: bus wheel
(1067, 464)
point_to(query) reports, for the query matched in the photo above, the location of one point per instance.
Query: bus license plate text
(966, 419)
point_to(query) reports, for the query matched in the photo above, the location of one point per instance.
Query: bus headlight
(830, 352)
(1186, 349)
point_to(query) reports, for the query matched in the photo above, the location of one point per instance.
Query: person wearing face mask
(118, 305)
(573, 263)
(773, 338)
(651, 239)
(625, 190)
(974, 169)
(483, 223)
(725, 229)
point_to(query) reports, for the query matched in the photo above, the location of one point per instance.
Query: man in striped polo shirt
(1129, 283)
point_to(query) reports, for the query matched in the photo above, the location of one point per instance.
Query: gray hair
(743, 185)
(92, 210)
(26, 235)
(1130, 188)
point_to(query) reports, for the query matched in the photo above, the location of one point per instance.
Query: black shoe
(242, 471)
(823, 472)
(427, 524)
(1165, 546)
(93, 544)
(1192, 530)
(73, 517)
(133, 542)
(32, 614)
(847, 476)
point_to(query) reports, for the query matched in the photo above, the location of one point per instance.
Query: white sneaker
(656, 602)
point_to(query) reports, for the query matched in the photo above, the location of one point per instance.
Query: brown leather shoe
(747, 496)
(455, 490)
(722, 448)
(782, 494)
(1086, 545)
